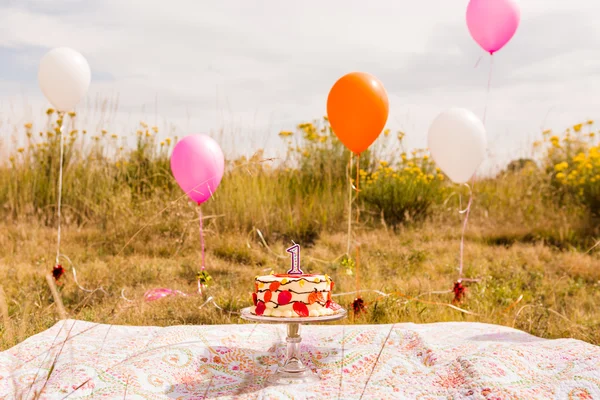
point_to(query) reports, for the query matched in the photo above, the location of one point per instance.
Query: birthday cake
(293, 295)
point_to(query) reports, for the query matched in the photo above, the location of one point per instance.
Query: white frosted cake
(293, 295)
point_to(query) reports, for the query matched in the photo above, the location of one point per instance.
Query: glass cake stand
(293, 369)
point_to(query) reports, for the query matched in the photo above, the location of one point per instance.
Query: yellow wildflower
(28, 125)
(577, 127)
(590, 122)
(114, 136)
(72, 114)
(560, 176)
(561, 166)
(50, 111)
(285, 133)
(168, 140)
(155, 129)
(386, 132)
(104, 132)
(20, 149)
(579, 158)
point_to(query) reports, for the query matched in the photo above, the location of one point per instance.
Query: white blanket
(432, 361)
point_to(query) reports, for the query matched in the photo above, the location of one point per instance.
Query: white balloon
(64, 77)
(457, 143)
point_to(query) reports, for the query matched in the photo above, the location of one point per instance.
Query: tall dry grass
(528, 235)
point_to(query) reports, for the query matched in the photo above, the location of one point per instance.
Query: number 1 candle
(295, 252)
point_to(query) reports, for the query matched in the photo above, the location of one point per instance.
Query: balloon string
(489, 86)
(349, 203)
(200, 285)
(60, 181)
(357, 219)
(101, 289)
(466, 211)
(357, 184)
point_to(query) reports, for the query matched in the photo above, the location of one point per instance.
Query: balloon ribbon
(61, 116)
(358, 305)
(202, 266)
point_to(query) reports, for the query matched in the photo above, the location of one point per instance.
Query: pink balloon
(492, 23)
(197, 164)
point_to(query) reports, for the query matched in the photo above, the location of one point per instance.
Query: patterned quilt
(83, 360)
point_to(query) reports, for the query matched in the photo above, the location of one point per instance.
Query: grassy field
(127, 229)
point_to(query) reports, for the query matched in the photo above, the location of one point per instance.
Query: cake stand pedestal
(293, 369)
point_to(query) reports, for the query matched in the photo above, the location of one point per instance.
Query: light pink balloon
(492, 23)
(159, 293)
(197, 164)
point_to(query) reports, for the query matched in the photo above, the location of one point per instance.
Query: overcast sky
(253, 68)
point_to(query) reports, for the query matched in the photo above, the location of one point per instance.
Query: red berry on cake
(274, 286)
(284, 298)
(260, 308)
(301, 309)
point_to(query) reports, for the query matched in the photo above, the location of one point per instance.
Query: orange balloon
(357, 108)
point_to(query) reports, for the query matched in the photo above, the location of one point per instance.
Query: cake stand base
(292, 370)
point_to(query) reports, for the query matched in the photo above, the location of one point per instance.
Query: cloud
(254, 68)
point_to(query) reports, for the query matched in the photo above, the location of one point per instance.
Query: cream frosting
(291, 296)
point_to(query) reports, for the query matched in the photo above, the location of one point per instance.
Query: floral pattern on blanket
(451, 360)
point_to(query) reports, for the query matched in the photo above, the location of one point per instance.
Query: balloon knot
(459, 292)
(57, 272)
(358, 306)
